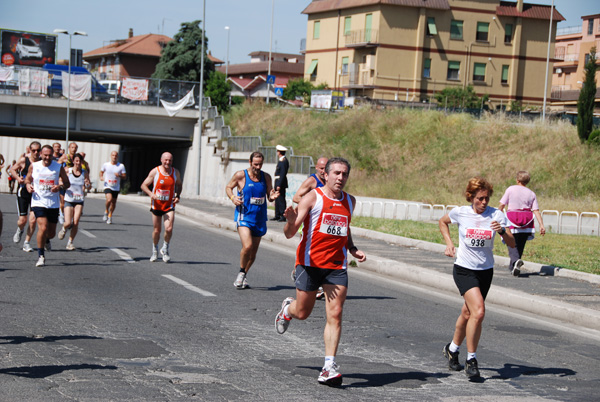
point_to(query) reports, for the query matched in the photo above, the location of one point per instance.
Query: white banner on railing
(135, 89)
(81, 86)
(7, 73)
(33, 81)
(174, 108)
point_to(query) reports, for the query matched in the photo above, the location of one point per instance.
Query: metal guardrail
(243, 144)
(566, 222)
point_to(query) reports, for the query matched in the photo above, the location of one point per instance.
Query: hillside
(428, 156)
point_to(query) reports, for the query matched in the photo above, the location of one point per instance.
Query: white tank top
(75, 192)
(44, 178)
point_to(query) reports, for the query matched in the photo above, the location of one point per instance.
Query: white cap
(281, 148)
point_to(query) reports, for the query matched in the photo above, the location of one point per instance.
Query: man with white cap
(281, 182)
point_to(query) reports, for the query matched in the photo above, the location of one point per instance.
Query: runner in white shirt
(43, 181)
(112, 173)
(473, 268)
(74, 197)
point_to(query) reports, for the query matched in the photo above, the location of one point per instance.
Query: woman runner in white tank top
(74, 197)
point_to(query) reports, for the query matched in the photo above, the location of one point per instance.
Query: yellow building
(411, 49)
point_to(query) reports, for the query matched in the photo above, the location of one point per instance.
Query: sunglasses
(35, 150)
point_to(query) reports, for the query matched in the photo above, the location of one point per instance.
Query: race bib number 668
(333, 224)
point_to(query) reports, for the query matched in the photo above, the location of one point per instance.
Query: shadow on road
(17, 340)
(47, 371)
(516, 370)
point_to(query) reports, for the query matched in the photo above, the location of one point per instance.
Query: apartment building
(573, 48)
(411, 49)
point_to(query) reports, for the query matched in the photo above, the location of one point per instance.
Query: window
(345, 61)
(347, 25)
(317, 30)
(482, 31)
(508, 28)
(427, 68)
(453, 70)
(312, 70)
(479, 72)
(456, 29)
(368, 22)
(505, 74)
(587, 58)
(590, 27)
(431, 28)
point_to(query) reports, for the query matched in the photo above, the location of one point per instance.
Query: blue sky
(249, 20)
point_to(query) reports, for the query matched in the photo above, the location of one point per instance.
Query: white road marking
(88, 234)
(123, 255)
(189, 286)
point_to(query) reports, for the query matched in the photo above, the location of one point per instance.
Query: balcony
(362, 38)
(359, 76)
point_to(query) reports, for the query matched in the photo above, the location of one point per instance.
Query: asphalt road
(103, 323)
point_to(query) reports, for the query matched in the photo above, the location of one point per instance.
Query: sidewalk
(565, 295)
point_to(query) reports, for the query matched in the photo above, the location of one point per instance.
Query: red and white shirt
(325, 233)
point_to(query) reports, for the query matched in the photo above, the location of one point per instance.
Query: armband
(352, 249)
(231, 197)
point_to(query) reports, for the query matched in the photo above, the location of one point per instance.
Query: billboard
(27, 48)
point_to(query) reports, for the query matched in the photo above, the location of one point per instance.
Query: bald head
(320, 168)
(166, 160)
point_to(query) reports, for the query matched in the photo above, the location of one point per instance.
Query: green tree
(180, 58)
(297, 87)
(217, 89)
(587, 95)
(457, 97)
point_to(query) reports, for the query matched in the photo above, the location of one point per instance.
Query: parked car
(113, 87)
(28, 49)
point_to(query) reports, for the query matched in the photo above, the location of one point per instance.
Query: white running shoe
(165, 254)
(320, 293)
(109, 220)
(62, 233)
(154, 256)
(61, 217)
(48, 246)
(41, 261)
(105, 217)
(330, 376)
(281, 323)
(239, 281)
(27, 247)
(516, 271)
(245, 284)
(70, 246)
(17, 236)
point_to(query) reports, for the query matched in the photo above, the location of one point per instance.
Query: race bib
(45, 185)
(257, 200)
(333, 224)
(112, 183)
(478, 238)
(163, 195)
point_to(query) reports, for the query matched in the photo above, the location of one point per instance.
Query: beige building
(411, 49)
(573, 46)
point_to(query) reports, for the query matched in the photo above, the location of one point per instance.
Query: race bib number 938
(477, 237)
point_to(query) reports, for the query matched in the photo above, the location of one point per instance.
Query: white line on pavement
(123, 255)
(189, 286)
(88, 234)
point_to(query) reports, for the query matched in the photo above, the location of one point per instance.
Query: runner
(11, 180)
(321, 259)
(19, 173)
(57, 151)
(43, 181)
(74, 197)
(166, 187)
(253, 190)
(474, 266)
(111, 173)
(313, 181)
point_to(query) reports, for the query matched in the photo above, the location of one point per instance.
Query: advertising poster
(27, 48)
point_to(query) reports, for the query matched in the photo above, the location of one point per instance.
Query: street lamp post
(270, 50)
(227, 62)
(547, 62)
(201, 93)
(65, 32)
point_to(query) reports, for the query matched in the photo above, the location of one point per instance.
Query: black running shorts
(309, 279)
(466, 279)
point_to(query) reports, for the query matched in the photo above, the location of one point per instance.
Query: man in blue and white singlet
(254, 189)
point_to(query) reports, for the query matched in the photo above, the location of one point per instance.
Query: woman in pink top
(521, 205)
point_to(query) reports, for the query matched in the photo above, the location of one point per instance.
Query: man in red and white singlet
(321, 259)
(166, 186)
